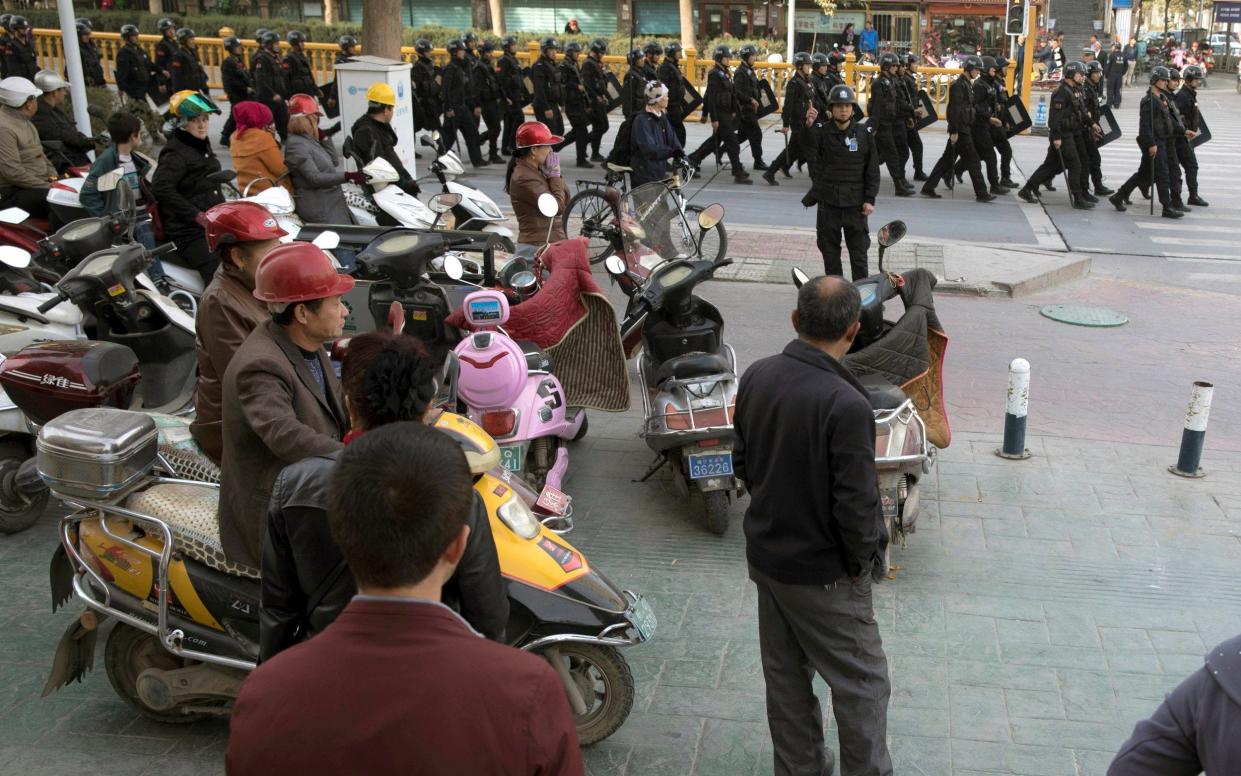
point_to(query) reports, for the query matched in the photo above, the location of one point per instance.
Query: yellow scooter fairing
(481, 451)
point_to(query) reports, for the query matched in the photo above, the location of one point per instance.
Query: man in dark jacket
(238, 84)
(428, 98)
(54, 124)
(844, 174)
(92, 60)
(960, 140)
(746, 83)
(595, 80)
(799, 98)
(270, 87)
(548, 89)
(136, 74)
(1114, 70)
(19, 57)
(374, 137)
(633, 88)
(460, 109)
(984, 120)
(913, 141)
(513, 90)
(1195, 729)
(299, 76)
(1064, 121)
(355, 698)
(1156, 131)
(669, 74)
(886, 97)
(166, 47)
(999, 133)
(721, 109)
(805, 449)
(491, 99)
(1186, 101)
(575, 102)
(187, 70)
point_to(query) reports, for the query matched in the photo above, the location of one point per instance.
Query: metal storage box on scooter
(96, 453)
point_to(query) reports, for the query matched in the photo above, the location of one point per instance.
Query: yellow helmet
(381, 93)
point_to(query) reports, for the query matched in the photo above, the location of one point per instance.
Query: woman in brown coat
(534, 170)
(256, 155)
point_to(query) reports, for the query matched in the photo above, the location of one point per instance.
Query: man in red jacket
(399, 683)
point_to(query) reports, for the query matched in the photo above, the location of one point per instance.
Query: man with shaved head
(806, 451)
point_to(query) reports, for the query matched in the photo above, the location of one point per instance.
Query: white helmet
(655, 91)
(15, 91)
(49, 81)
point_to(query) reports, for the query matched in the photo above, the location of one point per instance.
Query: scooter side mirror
(891, 233)
(13, 215)
(614, 265)
(709, 216)
(453, 267)
(327, 240)
(14, 257)
(800, 278)
(548, 205)
(442, 203)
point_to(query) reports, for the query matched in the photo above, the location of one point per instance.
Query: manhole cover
(1081, 315)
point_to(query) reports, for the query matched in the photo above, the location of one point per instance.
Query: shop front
(896, 23)
(742, 21)
(976, 27)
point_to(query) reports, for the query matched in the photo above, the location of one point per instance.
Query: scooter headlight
(518, 517)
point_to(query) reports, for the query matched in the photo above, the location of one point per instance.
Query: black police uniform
(960, 123)
(1085, 122)
(92, 64)
(458, 99)
(491, 100)
(1155, 128)
(187, 71)
(1186, 101)
(298, 74)
(670, 75)
(984, 109)
(884, 109)
(136, 74)
(575, 106)
(513, 89)
(905, 130)
(745, 83)
(1093, 102)
(1063, 124)
(633, 92)
(1114, 70)
(428, 97)
(164, 51)
(238, 85)
(721, 108)
(269, 84)
(799, 95)
(1175, 181)
(844, 175)
(19, 59)
(548, 93)
(999, 135)
(594, 78)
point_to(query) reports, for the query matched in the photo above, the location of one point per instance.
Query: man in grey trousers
(806, 451)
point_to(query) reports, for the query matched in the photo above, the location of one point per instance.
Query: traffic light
(1016, 21)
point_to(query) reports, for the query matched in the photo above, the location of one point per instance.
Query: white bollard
(1018, 406)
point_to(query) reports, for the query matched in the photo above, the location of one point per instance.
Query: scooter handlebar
(49, 304)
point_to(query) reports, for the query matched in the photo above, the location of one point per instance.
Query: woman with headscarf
(652, 140)
(256, 154)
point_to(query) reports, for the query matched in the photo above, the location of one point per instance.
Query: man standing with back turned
(806, 451)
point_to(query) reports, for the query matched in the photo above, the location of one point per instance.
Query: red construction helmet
(298, 272)
(303, 105)
(536, 133)
(237, 222)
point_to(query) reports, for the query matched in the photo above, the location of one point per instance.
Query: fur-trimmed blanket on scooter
(570, 318)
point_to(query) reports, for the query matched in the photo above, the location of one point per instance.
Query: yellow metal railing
(322, 56)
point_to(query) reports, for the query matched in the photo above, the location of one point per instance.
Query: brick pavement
(767, 255)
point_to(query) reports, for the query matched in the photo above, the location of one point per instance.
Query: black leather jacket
(181, 186)
(301, 562)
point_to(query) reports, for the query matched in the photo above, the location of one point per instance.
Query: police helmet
(184, 34)
(1160, 73)
(295, 36)
(269, 38)
(454, 45)
(573, 47)
(972, 62)
(888, 59)
(487, 46)
(17, 23)
(722, 52)
(166, 24)
(1001, 62)
(835, 58)
(83, 29)
(748, 50)
(1074, 68)
(634, 55)
(598, 45)
(673, 49)
(469, 37)
(128, 31)
(802, 58)
(1174, 74)
(988, 62)
(259, 33)
(1094, 66)
(841, 94)
(346, 42)
(4, 20)
(549, 43)
(911, 60)
(1193, 73)
(231, 42)
(423, 46)
(508, 42)
(818, 59)
(83, 21)
(652, 50)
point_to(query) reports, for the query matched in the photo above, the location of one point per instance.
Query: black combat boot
(1091, 198)
(1196, 200)
(1080, 202)
(1028, 194)
(1170, 213)
(1118, 202)
(760, 165)
(770, 177)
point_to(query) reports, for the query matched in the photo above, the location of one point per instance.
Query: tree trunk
(380, 37)
(329, 12)
(480, 12)
(687, 24)
(497, 17)
(156, 7)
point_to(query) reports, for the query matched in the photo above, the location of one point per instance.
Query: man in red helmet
(242, 233)
(282, 401)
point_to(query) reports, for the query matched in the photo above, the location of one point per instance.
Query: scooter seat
(537, 359)
(192, 514)
(882, 394)
(690, 365)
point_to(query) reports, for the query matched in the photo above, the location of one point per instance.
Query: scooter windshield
(653, 227)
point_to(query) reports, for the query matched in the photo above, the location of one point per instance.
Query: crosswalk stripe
(1194, 242)
(1167, 226)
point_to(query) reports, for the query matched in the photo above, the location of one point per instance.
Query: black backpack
(620, 153)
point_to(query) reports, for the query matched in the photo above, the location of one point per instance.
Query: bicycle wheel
(589, 208)
(715, 241)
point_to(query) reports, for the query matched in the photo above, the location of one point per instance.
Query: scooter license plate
(512, 456)
(710, 465)
(643, 618)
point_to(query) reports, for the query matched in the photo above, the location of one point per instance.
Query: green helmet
(187, 104)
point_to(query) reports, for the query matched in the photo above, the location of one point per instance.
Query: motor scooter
(906, 394)
(688, 373)
(144, 550)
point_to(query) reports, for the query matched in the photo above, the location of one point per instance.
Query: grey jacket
(315, 170)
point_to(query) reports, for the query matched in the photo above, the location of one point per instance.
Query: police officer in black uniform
(1175, 181)
(1186, 101)
(270, 87)
(548, 91)
(136, 74)
(237, 82)
(595, 80)
(459, 105)
(576, 102)
(1063, 123)
(1095, 101)
(912, 145)
(633, 88)
(299, 76)
(187, 71)
(652, 53)
(92, 61)
(844, 177)
(428, 96)
(19, 58)
(960, 127)
(746, 84)
(1156, 132)
(1086, 126)
(164, 50)
(821, 78)
(721, 109)
(331, 95)
(471, 46)
(491, 99)
(999, 135)
(670, 75)
(799, 98)
(984, 121)
(885, 108)
(513, 90)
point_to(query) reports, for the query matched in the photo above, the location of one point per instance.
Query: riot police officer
(1186, 101)
(1175, 181)
(1063, 123)
(984, 120)
(1094, 102)
(595, 80)
(331, 95)
(346, 44)
(652, 53)
(634, 87)
(459, 106)
(821, 79)
(886, 97)
(999, 135)
(19, 58)
(270, 87)
(187, 71)
(799, 97)
(913, 140)
(746, 84)
(298, 75)
(136, 74)
(491, 100)
(1156, 132)
(471, 46)
(166, 47)
(1086, 125)
(960, 128)
(721, 109)
(844, 177)
(428, 96)
(548, 91)
(575, 102)
(92, 61)
(513, 89)
(238, 84)
(907, 115)
(669, 74)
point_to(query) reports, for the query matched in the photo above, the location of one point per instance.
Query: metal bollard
(1195, 431)
(1015, 412)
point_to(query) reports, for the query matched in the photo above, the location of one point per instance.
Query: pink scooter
(511, 392)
